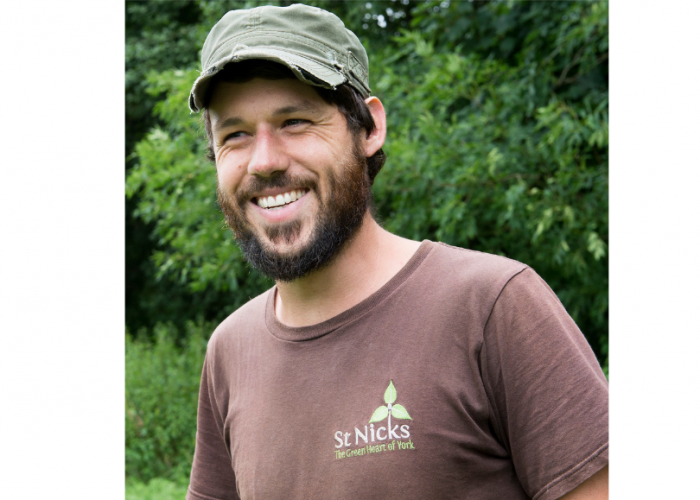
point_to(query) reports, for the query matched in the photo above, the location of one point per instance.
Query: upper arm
(594, 488)
(212, 475)
(547, 392)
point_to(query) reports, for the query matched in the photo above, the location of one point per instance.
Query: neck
(362, 267)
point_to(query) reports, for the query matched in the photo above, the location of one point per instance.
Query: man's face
(292, 181)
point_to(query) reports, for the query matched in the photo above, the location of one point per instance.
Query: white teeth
(281, 199)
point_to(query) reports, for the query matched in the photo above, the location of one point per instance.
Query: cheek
(229, 174)
(314, 157)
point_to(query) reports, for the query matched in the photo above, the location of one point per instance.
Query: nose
(268, 155)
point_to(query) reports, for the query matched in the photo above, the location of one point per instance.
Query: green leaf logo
(379, 414)
(391, 409)
(399, 411)
(390, 393)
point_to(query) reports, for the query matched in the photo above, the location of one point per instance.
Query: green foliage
(503, 148)
(159, 36)
(497, 141)
(156, 489)
(178, 185)
(162, 385)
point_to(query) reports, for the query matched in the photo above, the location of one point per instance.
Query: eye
(294, 121)
(234, 135)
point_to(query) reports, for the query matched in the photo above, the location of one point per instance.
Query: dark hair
(348, 101)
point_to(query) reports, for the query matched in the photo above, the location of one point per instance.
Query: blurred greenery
(155, 489)
(497, 141)
(162, 385)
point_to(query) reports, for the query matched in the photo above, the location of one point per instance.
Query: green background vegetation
(497, 141)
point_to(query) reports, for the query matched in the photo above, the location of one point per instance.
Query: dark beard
(338, 220)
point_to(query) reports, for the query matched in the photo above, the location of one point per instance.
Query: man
(377, 367)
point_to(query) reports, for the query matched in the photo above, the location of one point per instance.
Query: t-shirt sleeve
(212, 476)
(548, 395)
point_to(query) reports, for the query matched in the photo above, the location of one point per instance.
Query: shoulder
(231, 345)
(477, 270)
(481, 260)
(240, 325)
(462, 283)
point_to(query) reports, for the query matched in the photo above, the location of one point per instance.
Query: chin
(286, 249)
(288, 238)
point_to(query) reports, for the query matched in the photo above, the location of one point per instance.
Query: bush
(156, 489)
(162, 385)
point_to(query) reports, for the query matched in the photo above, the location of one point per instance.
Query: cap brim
(325, 74)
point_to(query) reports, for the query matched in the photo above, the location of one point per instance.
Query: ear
(375, 140)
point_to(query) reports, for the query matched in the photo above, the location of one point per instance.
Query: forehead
(260, 97)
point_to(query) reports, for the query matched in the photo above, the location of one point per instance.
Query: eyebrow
(228, 122)
(295, 108)
(303, 106)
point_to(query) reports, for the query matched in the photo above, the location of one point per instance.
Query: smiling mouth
(280, 200)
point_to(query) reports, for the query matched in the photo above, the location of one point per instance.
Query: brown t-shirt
(463, 378)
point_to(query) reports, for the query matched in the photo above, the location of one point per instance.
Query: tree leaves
(501, 146)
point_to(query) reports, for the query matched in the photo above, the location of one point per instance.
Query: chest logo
(391, 407)
(389, 438)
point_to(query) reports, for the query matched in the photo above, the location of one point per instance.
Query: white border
(654, 242)
(62, 265)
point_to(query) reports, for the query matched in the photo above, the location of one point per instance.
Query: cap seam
(245, 57)
(358, 64)
(205, 76)
(300, 56)
(283, 34)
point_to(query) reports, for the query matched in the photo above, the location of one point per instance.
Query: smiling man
(293, 202)
(376, 367)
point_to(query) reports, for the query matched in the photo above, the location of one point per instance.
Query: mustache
(279, 180)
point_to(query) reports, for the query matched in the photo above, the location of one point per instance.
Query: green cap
(312, 42)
